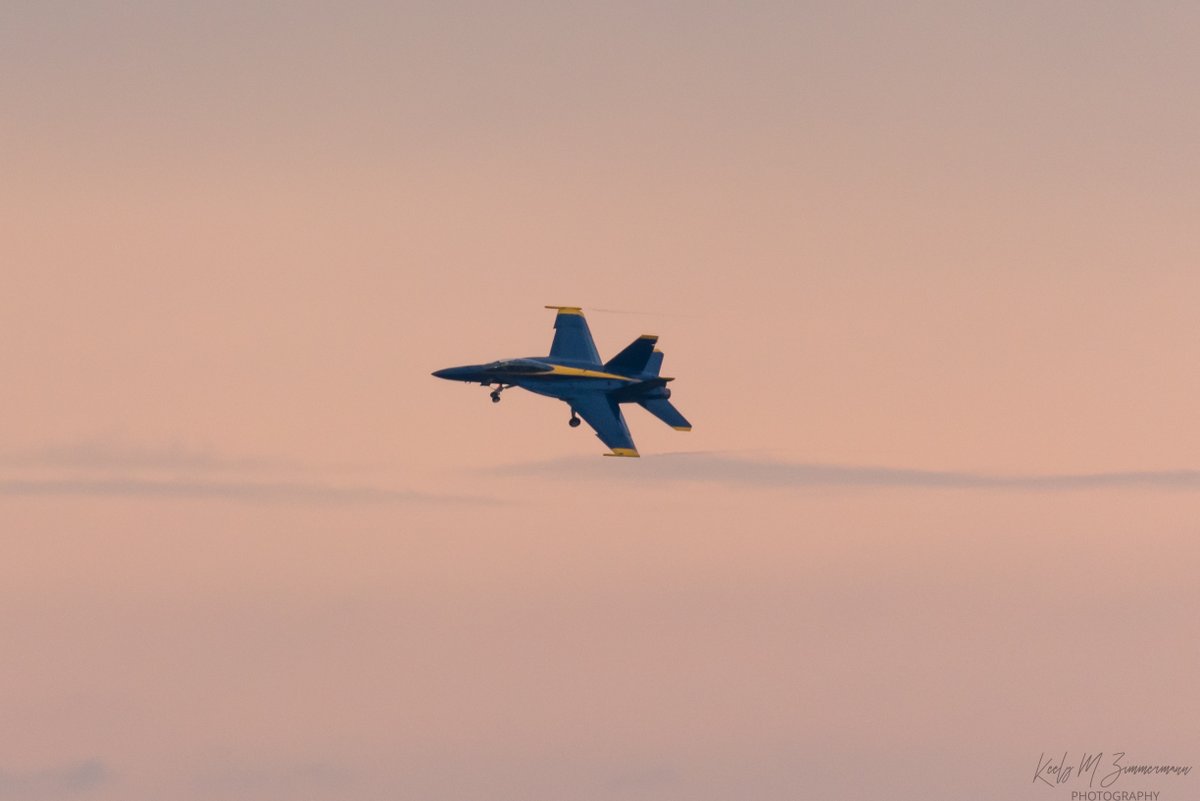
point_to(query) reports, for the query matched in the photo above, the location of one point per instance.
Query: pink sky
(927, 279)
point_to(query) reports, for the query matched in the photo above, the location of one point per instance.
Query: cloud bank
(716, 468)
(59, 781)
(305, 780)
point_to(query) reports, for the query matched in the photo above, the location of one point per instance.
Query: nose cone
(457, 373)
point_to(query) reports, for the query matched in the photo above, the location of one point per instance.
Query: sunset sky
(927, 275)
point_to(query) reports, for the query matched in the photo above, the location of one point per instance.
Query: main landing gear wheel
(573, 422)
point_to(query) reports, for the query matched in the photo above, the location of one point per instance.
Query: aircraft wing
(604, 415)
(572, 337)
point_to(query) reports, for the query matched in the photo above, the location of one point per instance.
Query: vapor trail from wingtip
(642, 313)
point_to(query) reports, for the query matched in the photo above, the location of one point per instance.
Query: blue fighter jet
(574, 373)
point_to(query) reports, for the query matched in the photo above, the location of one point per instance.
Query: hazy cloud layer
(106, 456)
(109, 470)
(250, 491)
(60, 781)
(754, 472)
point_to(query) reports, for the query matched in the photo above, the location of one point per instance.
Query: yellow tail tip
(623, 452)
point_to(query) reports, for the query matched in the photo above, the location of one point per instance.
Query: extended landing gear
(574, 421)
(496, 393)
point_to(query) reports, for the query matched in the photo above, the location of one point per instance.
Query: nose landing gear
(574, 421)
(495, 394)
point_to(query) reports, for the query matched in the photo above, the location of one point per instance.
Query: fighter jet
(573, 373)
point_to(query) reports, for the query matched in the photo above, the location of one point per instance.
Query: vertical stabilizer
(635, 358)
(655, 364)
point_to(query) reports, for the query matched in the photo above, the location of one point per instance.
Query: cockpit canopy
(517, 366)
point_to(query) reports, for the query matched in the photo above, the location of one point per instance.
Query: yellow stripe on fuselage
(579, 372)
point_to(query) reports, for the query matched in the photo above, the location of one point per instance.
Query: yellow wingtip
(623, 452)
(567, 309)
(682, 428)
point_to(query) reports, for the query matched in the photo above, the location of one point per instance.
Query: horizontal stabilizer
(635, 357)
(663, 410)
